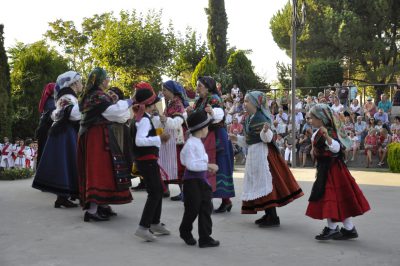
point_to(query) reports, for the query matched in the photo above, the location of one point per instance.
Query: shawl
(175, 107)
(47, 95)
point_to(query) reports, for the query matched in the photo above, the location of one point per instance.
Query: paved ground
(33, 233)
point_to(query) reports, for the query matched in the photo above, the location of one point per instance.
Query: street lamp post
(296, 24)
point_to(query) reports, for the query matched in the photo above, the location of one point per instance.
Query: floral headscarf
(259, 100)
(332, 122)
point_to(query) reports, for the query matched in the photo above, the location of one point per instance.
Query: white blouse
(194, 156)
(118, 112)
(334, 147)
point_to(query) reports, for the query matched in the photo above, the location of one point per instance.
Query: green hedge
(393, 157)
(16, 174)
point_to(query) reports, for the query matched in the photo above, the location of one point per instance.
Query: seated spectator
(379, 125)
(307, 125)
(396, 136)
(337, 107)
(355, 110)
(355, 146)
(396, 124)
(332, 96)
(381, 115)
(360, 128)
(274, 109)
(371, 123)
(370, 145)
(236, 128)
(280, 128)
(282, 116)
(348, 126)
(235, 91)
(299, 118)
(299, 104)
(305, 146)
(384, 140)
(385, 104)
(369, 108)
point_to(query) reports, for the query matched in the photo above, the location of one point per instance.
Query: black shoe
(270, 222)
(139, 187)
(224, 208)
(209, 244)
(189, 240)
(106, 211)
(177, 197)
(166, 194)
(328, 233)
(95, 217)
(63, 202)
(262, 219)
(345, 234)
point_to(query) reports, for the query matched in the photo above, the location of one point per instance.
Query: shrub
(394, 157)
(16, 174)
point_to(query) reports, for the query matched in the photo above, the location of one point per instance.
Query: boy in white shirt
(196, 187)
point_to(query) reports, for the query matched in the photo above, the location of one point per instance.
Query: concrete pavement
(34, 233)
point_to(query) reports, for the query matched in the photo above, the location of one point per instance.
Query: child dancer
(335, 196)
(146, 148)
(196, 187)
(268, 182)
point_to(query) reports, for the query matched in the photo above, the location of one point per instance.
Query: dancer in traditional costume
(7, 160)
(57, 169)
(335, 195)
(19, 154)
(146, 149)
(196, 188)
(104, 176)
(268, 182)
(46, 107)
(217, 144)
(173, 121)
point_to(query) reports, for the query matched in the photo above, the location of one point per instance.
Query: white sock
(331, 225)
(348, 224)
(92, 208)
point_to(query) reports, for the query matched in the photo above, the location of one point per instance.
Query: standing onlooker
(343, 94)
(352, 91)
(235, 91)
(309, 103)
(385, 104)
(337, 107)
(396, 97)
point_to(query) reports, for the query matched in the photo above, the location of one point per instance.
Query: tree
(206, 67)
(76, 44)
(241, 70)
(323, 73)
(5, 90)
(216, 32)
(366, 32)
(134, 48)
(33, 66)
(188, 52)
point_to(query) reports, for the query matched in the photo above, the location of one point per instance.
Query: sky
(27, 21)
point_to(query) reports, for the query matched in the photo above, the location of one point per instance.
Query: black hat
(144, 92)
(198, 120)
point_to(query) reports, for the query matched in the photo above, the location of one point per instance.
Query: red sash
(4, 151)
(21, 151)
